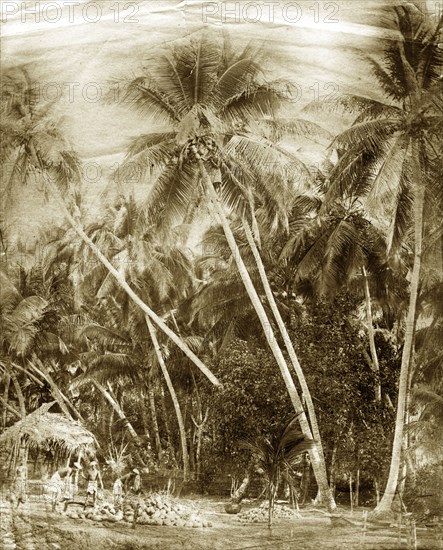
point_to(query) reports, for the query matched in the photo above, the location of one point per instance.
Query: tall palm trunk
(178, 413)
(117, 408)
(165, 415)
(319, 471)
(419, 199)
(328, 497)
(371, 336)
(125, 286)
(154, 420)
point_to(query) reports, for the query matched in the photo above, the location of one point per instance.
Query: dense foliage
(351, 282)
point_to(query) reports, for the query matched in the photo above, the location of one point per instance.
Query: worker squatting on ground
(132, 482)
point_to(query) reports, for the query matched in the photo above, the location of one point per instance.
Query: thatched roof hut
(47, 431)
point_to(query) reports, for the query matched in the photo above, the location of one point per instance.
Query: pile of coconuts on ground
(260, 514)
(155, 509)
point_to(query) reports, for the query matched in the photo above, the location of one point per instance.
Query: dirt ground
(33, 528)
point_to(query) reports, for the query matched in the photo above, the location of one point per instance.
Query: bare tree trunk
(178, 413)
(305, 480)
(19, 393)
(351, 494)
(117, 408)
(391, 485)
(325, 493)
(332, 469)
(5, 398)
(371, 336)
(167, 428)
(317, 465)
(199, 424)
(56, 393)
(357, 488)
(377, 491)
(153, 409)
(10, 408)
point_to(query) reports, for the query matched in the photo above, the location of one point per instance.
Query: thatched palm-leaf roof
(47, 430)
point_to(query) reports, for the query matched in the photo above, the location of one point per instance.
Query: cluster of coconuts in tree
(202, 148)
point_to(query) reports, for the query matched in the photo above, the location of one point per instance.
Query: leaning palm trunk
(419, 198)
(20, 396)
(56, 392)
(125, 286)
(325, 496)
(181, 424)
(117, 408)
(319, 470)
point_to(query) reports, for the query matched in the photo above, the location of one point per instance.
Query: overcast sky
(73, 48)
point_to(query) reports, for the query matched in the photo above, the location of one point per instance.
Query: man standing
(93, 477)
(71, 486)
(19, 486)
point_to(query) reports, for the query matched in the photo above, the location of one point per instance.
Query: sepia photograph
(221, 275)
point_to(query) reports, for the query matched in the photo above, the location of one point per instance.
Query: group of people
(62, 487)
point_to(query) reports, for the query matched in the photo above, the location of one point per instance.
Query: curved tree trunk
(419, 199)
(319, 470)
(125, 286)
(371, 336)
(181, 424)
(328, 496)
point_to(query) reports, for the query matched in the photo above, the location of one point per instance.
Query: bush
(424, 493)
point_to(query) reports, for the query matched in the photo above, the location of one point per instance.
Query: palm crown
(220, 109)
(376, 157)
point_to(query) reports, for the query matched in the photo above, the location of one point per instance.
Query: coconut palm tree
(33, 146)
(218, 145)
(29, 327)
(332, 246)
(276, 453)
(386, 158)
(162, 273)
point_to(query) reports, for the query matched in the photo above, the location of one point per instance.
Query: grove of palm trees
(221, 284)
